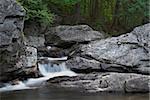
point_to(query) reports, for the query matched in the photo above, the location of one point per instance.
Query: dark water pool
(49, 93)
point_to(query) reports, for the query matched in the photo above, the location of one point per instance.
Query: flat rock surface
(106, 82)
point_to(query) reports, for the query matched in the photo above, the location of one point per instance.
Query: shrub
(37, 10)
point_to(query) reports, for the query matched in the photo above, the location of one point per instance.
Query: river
(51, 93)
(32, 89)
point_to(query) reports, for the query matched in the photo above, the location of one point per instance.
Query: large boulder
(106, 82)
(62, 35)
(11, 26)
(125, 53)
(14, 55)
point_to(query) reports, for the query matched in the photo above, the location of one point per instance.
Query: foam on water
(9, 87)
(48, 71)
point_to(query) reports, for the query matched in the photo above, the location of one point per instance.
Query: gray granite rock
(15, 57)
(83, 65)
(106, 82)
(125, 53)
(10, 9)
(67, 34)
(35, 41)
(138, 84)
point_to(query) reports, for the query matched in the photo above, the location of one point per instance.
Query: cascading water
(48, 71)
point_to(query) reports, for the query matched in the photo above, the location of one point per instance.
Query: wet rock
(14, 82)
(2, 84)
(68, 35)
(107, 82)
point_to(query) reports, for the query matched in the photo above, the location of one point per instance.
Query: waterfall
(48, 70)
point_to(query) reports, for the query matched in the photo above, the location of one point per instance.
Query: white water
(47, 70)
(54, 59)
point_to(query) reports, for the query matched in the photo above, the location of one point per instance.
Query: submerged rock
(65, 36)
(125, 53)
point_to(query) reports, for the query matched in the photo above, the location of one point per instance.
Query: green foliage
(65, 2)
(136, 7)
(109, 9)
(115, 16)
(133, 12)
(111, 16)
(37, 10)
(65, 6)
